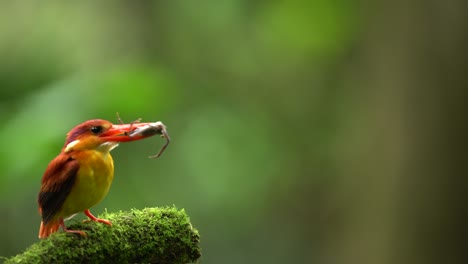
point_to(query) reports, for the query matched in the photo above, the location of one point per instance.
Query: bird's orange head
(100, 134)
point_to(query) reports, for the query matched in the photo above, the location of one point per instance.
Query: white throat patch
(104, 147)
(70, 145)
(108, 146)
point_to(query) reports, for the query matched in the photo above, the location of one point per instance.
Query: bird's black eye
(96, 129)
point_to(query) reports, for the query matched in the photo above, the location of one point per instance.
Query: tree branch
(151, 235)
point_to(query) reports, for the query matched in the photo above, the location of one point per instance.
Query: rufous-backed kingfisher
(81, 175)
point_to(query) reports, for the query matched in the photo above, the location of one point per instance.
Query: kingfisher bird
(81, 175)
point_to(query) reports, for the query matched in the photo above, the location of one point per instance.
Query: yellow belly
(92, 183)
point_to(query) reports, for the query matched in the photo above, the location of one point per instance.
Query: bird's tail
(46, 229)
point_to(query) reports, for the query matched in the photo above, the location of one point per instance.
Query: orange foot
(93, 218)
(79, 232)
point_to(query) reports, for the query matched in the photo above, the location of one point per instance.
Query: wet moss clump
(151, 235)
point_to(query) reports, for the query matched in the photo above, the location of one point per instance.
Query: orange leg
(93, 218)
(79, 232)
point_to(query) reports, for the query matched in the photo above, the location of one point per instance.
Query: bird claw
(104, 221)
(95, 219)
(79, 232)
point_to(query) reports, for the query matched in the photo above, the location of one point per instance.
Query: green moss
(151, 235)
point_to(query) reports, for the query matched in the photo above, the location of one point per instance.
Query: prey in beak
(137, 130)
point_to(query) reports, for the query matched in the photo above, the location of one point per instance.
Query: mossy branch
(151, 235)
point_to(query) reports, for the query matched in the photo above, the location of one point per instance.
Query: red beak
(137, 131)
(125, 133)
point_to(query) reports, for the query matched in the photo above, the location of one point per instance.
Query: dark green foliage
(151, 235)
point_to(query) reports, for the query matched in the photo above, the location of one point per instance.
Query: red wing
(57, 183)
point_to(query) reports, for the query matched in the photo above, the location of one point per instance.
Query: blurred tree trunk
(413, 203)
(431, 214)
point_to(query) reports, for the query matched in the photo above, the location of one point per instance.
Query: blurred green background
(303, 131)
